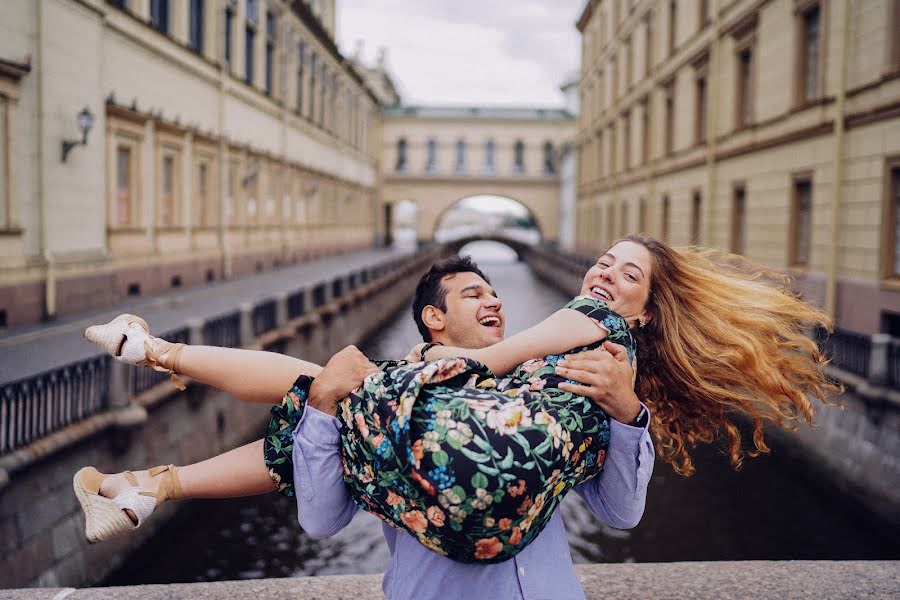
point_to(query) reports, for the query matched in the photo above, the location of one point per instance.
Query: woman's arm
(563, 330)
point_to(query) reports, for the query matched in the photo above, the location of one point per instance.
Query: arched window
(489, 156)
(519, 157)
(549, 159)
(401, 154)
(431, 156)
(461, 155)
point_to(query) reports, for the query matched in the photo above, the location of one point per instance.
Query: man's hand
(342, 374)
(605, 375)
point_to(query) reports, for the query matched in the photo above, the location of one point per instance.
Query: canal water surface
(773, 509)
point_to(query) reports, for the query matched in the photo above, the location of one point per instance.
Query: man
(456, 306)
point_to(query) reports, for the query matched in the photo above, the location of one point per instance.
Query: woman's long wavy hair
(726, 337)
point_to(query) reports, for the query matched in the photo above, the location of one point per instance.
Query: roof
(480, 112)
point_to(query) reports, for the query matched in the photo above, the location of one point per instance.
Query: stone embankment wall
(854, 448)
(41, 527)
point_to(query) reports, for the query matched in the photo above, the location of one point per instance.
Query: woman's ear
(433, 317)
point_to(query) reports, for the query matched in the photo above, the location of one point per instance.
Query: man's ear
(434, 318)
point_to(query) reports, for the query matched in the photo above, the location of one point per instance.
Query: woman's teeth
(602, 293)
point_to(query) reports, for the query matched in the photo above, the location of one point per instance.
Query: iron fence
(264, 317)
(296, 304)
(223, 331)
(39, 405)
(848, 350)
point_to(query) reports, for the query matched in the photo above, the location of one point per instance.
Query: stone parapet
(762, 580)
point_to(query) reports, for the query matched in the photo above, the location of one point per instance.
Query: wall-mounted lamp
(252, 174)
(85, 121)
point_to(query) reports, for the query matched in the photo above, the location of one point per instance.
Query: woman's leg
(236, 473)
(250, 375)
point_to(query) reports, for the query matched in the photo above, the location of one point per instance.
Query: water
(771, 510)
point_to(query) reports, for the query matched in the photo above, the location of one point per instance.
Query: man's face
(474, 316)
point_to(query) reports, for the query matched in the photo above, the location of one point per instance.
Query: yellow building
(770, 128)
(150, 144)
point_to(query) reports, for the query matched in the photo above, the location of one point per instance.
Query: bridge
(436, 157)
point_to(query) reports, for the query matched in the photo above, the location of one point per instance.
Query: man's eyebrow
(613, 256)
(477, 288)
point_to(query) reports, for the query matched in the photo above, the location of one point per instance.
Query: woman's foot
(120, 502)
(127, 338)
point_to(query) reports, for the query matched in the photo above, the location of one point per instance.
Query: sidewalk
(33, 350)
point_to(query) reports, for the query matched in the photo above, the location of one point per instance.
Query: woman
(473, 466)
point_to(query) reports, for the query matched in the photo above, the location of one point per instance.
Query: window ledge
(11, 231)
(891, 284)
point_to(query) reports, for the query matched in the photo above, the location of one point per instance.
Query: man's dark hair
(431, 291)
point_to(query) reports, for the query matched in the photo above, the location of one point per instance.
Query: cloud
(469, 51)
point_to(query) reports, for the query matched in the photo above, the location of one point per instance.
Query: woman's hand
(415, 355)
(342, 374)
(606, 378)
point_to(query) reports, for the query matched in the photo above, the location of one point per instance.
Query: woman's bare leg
(250, 375)
(236, 473)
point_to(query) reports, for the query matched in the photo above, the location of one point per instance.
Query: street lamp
(85, 120)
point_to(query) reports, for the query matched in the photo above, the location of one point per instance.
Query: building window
(626, 140)
(610, 223)
(159, 15)
(611, 137)
(599, 162)
(549, 159)
(700, 100)
(271, 38)
(168, 191)
(645, 131)
(201, 195)
(250, 39)
(809, 55)
(322, 84)
(666, 215)
(648, 41)
(124, 187)
(229, 31)
(301, 60)
(696, 206)
(801, 222)
(673, 25)
(313, 64)
(401, 154)
(895, 37)
(704, 13)
(744, 48)
(739, 220)
(460, 155)
(489, 156)
(6, 194)
(642, 215)
(233, 211)
(629, 62)
(623, 219)
(195, 22)
(669, 133)
(519, 157)
(431, 155)
(891, 233)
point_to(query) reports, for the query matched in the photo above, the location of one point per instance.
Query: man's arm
(618, 495)
(324, 505)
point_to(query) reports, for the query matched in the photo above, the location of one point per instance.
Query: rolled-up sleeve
(324, 505)
(618, 495)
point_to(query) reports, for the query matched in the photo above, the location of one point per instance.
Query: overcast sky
(469, 52)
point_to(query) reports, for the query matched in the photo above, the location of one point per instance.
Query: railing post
(878, 359)
(245, 330)
(119, 384)
(195, 331)
(281, 309)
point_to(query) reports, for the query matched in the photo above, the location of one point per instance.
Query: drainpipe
(224, 163)
(837, 188)
(712, 114)
(43, 237)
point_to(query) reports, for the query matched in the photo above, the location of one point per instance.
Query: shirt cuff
(318, 428)
(628, 438)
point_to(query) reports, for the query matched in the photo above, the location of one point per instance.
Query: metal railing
(33, 407)
(264, 317)
(223, 331)
(848, 350)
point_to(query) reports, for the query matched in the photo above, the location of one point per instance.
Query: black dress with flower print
(471, 465)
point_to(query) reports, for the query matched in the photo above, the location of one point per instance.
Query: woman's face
(621, 278)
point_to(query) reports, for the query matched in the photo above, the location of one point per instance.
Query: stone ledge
(673, 581)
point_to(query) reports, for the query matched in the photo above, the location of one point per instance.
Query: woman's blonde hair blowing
(726, 337)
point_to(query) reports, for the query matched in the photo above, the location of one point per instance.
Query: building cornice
(13, 70)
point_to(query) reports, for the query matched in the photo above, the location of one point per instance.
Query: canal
(773, 509)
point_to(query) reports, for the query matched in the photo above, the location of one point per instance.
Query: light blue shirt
(543, 570)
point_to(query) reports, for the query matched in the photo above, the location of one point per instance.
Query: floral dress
(471, 465)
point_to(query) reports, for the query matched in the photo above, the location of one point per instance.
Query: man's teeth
(602, 293)
(490, 321)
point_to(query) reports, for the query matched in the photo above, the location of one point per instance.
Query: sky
(468, 52)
